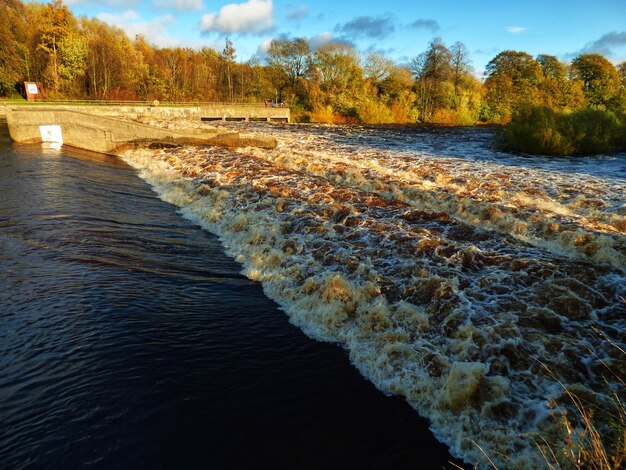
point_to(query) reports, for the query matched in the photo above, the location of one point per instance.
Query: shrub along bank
(542, 131)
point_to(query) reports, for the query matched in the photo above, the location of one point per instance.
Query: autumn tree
(228, 56)
(621, 68)
(152, 85)
(435, 63)
(459, 64)
(556, 91)
(55, 24)
(398, 87)
(377, 68)
(115, 68)
(446, 90)
(261, 84)
(467, 95)
(89, 58)
(172, 62)
(433, 70)
(15, 58)
(243, 81)
(290, 60)
(621, 102)
(384, 97)
(600, 79)
(512, 79)
(339, 75)
(73, 60)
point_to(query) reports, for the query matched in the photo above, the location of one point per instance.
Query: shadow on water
(129, 340)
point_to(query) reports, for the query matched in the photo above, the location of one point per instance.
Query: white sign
(31, 88)
(51, 134)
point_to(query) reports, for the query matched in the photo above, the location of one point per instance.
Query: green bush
(536, 130)
(7, 86)
(593, 131)
(542, 131)
(621, 132)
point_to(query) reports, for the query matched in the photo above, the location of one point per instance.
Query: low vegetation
(587, 436)
(543, 131)
(586, 443)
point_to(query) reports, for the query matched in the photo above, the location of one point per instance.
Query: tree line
(84, 58)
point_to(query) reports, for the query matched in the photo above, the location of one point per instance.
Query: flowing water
(484, 288)
(128, 339)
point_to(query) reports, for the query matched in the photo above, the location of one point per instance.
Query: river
(128, 339)
(474, 284)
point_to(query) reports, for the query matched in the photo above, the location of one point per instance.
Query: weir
(106, 129)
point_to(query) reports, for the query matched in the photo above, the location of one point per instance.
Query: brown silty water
(481, 292)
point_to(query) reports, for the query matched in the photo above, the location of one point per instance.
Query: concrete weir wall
(105, 129)
(226, 112)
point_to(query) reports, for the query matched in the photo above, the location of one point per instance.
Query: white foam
(456, 324)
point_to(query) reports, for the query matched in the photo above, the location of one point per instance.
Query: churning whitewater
(482, 292)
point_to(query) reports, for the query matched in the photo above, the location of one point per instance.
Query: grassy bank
(542, 131)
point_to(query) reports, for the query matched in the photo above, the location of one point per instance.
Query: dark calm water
(129, 340)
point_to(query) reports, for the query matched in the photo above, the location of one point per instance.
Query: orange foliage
(399, 114)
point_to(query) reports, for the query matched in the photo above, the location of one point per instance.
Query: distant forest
(84, 58)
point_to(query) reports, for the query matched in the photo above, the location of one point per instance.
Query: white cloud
(321, 38)
(265, 46)
(298, 13)
(252, 17)
(131, 22)
(111, 3)
(119, 19)
(182, 5)
(261, 51)
(516, 29)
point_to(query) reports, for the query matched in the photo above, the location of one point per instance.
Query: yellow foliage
(324, 114)
(403, 113)
(327, 115)
(372, 111)
(399, 113)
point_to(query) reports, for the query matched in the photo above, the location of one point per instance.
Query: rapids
(482, 287)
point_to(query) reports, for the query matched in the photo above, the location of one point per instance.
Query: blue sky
(401, 29)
